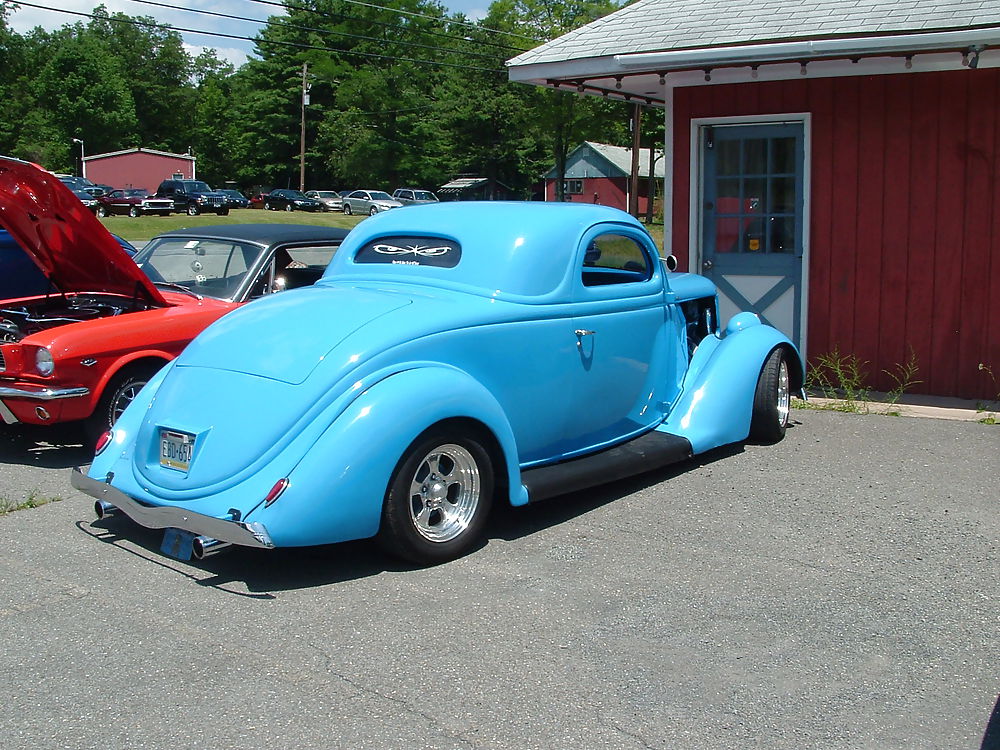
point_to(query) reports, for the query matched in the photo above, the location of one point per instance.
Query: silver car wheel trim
(783, 395)
(444, 493)
(125, 397)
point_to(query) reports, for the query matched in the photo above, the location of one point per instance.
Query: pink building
(138, 168)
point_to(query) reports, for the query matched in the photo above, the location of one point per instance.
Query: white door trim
(694, 195)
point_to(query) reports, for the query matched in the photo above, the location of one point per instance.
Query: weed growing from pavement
(981, 406)
(842, 377)
(34, 501)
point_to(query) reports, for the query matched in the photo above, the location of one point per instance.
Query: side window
(615, 259)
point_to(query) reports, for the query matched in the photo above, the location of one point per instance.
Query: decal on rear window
(411, 251)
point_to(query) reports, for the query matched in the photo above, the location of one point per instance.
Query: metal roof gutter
(817, 48)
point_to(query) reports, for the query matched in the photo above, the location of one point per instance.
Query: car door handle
(584, 332)
(707, 265)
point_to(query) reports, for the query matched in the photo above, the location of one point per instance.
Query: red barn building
(138, 168)
(832, 167)
(599, 173)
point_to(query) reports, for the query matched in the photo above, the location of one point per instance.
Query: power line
(327, 14)
(409, 13)
(274, 22)
(297, 45)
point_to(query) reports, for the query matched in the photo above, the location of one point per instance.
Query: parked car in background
(290, 200)
(331, 200)
(73, 182)
(452, 356)
(235, 199)
(87, 200)
(412, 196)
(257, 200)
(108, 322)
(134, 202)
(369, 202)
(193, 197)
(344, 193)
(97, 190)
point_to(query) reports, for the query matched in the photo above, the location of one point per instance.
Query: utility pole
(302, 128)
(633, 192)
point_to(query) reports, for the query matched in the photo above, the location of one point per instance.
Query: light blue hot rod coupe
(452, 355)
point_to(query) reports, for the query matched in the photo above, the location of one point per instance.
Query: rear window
(411, 251)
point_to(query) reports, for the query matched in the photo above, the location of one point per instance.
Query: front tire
(192, 209)
(121, 391)
(373, 211)
(289, 207)
(102, 212)
(134, 212)
(772, 400)
(438, 498)
(223, 212)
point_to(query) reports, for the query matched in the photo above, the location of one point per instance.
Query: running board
(650, 451)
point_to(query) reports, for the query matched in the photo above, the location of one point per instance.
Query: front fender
(716, 402)
(337, 488)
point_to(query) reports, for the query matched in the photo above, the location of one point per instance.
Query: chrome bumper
(43, 394)
(170, 517)
(35, 394)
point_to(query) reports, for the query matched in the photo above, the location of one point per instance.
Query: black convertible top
(262, 234)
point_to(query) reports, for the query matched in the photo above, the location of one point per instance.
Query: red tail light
(102, 442)
(276, 491)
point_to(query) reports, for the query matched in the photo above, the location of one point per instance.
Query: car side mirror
(670, 262)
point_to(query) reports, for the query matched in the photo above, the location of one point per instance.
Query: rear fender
(337, 488)
(716, 402)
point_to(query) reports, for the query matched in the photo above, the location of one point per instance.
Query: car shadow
(261, 574)
(60, 446)
(509, 523)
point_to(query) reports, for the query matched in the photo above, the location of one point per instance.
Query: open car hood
(64, 239)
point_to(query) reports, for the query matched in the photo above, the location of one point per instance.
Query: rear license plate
(177, 543)
(176, 449)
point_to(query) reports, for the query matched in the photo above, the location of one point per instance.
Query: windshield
(424, 195)
(197, 186)
(378, 195)
(211, 268)
(325, 194)
(295, 194)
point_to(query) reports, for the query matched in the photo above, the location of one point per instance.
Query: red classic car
(84, 349)
(134, 201)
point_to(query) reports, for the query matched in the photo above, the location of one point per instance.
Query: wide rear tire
(772, 400)
(438, 498)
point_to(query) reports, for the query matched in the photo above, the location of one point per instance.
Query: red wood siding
(904, 221)
(607, 191)
(138, 169)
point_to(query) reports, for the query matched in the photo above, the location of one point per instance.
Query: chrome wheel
(439, 497)
(125, 396)
(444, 493)
(784, 394)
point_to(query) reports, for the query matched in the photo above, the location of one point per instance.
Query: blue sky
(233, 50)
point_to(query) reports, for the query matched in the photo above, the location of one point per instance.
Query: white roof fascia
(804, 50)
(610, 65)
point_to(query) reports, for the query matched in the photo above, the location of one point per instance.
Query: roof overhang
(644, 77)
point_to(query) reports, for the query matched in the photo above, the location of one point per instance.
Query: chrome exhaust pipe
(206, 546)
(104, 510)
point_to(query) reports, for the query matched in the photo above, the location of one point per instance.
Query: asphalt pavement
(837, 590)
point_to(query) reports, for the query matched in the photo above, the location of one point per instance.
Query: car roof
(261, 234)
(521, 250)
